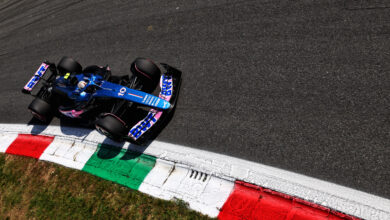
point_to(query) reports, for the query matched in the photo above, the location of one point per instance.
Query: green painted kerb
(125, 167)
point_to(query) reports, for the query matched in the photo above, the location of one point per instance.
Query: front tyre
(111, 126)
(148, 71)
(40, 109)
(68, 65)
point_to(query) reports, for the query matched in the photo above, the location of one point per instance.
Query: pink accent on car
(72, 113)
(154, 115)
(138, 96)
(165, 96)
(141, 71)
(158, 115)
(36, 77)
(145, 124)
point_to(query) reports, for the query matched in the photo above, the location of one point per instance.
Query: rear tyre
(68, 65)
(146, 70)
(40, 109)
(112, 127)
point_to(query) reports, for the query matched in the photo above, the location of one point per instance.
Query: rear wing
(149, 127)
(38, 75)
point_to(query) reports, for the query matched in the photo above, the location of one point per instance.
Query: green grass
(41, 190)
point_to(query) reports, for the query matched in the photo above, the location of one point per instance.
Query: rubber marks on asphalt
(29, 145)
(119, 165)
(248, 201)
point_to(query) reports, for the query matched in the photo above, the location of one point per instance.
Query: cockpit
(81, 85)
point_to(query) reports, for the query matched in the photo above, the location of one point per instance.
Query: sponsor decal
(151, 100)
(158, 101)
(38, 74)
(122, 91)
(166, 87)
(72, 113)
(66, 75)
(147, 98)
(165, 104)
(166, 84)
(143, 125)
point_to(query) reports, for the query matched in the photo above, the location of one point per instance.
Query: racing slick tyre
(112, 127)
(40, 109)
(147, 71)
(68, 65)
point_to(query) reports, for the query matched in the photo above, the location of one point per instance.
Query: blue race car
(120, 107)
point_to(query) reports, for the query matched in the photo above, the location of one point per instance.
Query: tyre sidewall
(146, 70)
(68, 65)
(111, 127)
(40, 109)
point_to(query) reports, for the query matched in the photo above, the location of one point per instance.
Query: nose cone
(163, 104)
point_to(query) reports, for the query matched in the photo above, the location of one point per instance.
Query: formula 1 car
(120, 107)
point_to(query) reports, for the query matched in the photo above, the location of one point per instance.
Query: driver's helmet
(81, 84)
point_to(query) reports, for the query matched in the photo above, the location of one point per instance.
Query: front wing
(156, 119)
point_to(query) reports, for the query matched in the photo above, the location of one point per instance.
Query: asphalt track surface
(299, 85)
